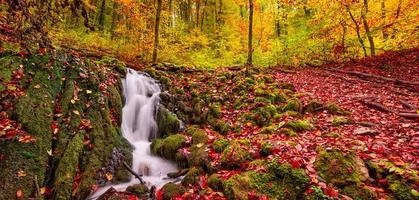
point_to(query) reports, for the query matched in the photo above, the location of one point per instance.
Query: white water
(139, 128)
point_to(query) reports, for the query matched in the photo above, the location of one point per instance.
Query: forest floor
(374, 90)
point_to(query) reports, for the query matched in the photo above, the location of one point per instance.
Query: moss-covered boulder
(215, 182)
(264, 115)
(168, 147)
(171, 190)
(265, 149)
(340, 169)
(237, 153)
(199, 136)
(215, 109)
(340, 120)
(191, 178)
(220, 144)
(293, 104)
(279, 182)
(401, 189)
(198, 157)
(357, 191)
(167, 122)
(141, 190)
(299, 125)
(336, 110)
(113, 63)
(222, 126)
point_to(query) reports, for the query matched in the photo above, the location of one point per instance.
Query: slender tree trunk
(367, 28)
(203, 15)
(357, 29)
(250, 48)
(156, 31)
(114, 19)
(198, 8)
(383, 19)
(102, 15)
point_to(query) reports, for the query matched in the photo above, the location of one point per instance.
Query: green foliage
(220, 144)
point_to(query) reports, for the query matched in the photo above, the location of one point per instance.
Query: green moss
(114, 64)
(138, 189)
(215, 182)
(359, 192)
(215, 110)
(236, 154)
(220, 144)
(337, 168)
(299, 125)
(313, 107)
(167, 122)
(339, 120)
(293, 104)
(288, 86)
(336, 110)
(192, 177)
(199, 136)
(317, 194)
(280, 182)
(265, 149)
(263, 115)
(401, 190)
(67, 167)
(289, 132)
(167, 148)
(171, 190)
(198, 157)
(222, 126)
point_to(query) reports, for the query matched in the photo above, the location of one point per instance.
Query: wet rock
(171, 190)
(168, 147)
(191, 178)
(167, 122)
(140, 190)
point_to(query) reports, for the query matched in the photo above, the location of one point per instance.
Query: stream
(139, 127)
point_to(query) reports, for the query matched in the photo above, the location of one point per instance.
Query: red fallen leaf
(383, 181)
(349, 169)
(159, 194)
(331, 192)
(296, 163)
(26, 139)
(309, 191)
(19, 194)
(41, 51)
(54, 128)
(252, 195)
(263, 197)
(203, 180)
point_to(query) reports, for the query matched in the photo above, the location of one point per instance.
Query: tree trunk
(102, 16)
(357, 29)
(250, 48)
(383, 19)
(156, 31)
(367, 28)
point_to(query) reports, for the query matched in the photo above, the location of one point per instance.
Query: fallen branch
(134, 173)
(410, 84)
(381, 107)
(408, 105)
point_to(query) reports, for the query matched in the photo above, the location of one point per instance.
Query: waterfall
(139, 127)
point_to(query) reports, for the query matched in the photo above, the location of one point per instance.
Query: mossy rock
(265, 149)
(191, 178)
(140, 190)
(288, 86)
(293, 104)
(168, 147)
(263, 115)
(279, 182)
(313, 107)
(215, 110)
(340, 120)
(401, 190)
(336, 110)
(215, 182)
(359, 192)
(198, 157)
(236, 154)
(113, 63)
(340, 169)
(167, 122)
(220, 144)
(316, 194)
(299, 125)
(199, 136)
(171, 190)
(221, 126)
(289, 132)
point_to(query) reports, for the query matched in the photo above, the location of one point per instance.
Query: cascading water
(139, 127)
